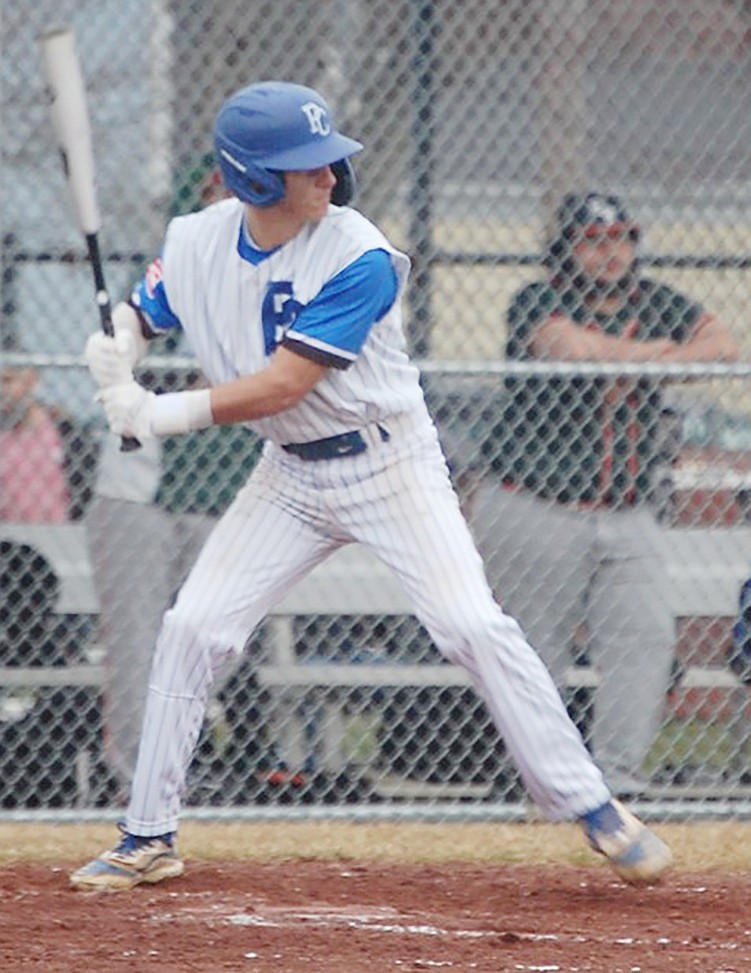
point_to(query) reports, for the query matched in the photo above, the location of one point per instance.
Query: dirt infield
(292, 900)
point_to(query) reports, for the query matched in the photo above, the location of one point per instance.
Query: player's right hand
(129, 409)
(111, 359)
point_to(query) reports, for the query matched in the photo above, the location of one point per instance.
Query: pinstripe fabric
(396, 498)
(218, 298)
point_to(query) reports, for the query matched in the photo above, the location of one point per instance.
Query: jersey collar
(247, 249)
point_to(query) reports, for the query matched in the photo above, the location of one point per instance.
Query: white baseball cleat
(133, 861)
(636, 853)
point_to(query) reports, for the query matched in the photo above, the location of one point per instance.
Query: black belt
(334, 447)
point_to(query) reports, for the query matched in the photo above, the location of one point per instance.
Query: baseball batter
(291, 300)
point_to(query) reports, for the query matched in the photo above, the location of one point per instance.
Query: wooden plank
(82, 675)
(351, 581)
(344, 676)
(707, 567)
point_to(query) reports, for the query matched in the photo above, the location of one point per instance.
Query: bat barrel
(70, 120)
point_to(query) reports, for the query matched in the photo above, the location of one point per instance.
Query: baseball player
(573, 457)
(291, 300)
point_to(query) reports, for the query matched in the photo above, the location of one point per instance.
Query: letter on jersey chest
(278, 312)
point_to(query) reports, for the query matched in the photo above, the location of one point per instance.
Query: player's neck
(271, 228)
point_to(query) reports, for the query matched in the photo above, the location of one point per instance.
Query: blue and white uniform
(332, 294)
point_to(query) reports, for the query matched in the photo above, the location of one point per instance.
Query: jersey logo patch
(153, 276)
(278, 313)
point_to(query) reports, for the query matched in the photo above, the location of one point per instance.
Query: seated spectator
(564, 521)
(33, 490)
(33, 486)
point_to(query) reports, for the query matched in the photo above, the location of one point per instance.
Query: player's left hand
(129, 408)
(111, 359)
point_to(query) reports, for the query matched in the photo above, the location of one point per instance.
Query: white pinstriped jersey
(228, 306)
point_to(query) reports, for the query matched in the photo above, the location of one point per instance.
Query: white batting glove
(111, 359)
(131, 410)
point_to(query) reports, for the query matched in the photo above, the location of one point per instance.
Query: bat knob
(128, 444)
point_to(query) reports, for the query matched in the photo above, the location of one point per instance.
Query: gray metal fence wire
(476, 118)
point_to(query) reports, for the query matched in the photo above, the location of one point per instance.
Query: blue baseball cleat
(133, 861)
(633, 849)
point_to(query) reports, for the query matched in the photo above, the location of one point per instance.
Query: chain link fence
(478, 118)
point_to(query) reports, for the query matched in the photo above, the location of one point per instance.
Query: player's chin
(320, 208)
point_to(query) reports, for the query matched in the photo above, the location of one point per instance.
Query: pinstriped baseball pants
(397, 499)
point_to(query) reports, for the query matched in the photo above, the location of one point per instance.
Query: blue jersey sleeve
(150, 297)
(333, 327)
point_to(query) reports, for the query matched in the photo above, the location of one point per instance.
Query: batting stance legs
(278, 529)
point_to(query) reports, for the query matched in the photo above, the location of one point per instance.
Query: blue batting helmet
(273, 127)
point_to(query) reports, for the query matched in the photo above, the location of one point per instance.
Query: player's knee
(458, 629)
(463, 634)
(180, 625)
(189, 646)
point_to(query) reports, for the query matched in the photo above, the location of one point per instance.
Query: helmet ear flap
(346, 185)
(265, 185)
(248, 181)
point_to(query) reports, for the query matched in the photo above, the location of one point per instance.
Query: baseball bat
(72, 128)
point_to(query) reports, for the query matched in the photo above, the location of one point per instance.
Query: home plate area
(343, 917)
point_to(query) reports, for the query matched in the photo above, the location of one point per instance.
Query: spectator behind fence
(33, 490)
(33, 486)
(151, 512)
(564, 521)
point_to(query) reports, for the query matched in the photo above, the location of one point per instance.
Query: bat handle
(127, 443)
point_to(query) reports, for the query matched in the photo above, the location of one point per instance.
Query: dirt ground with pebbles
(331, 912)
